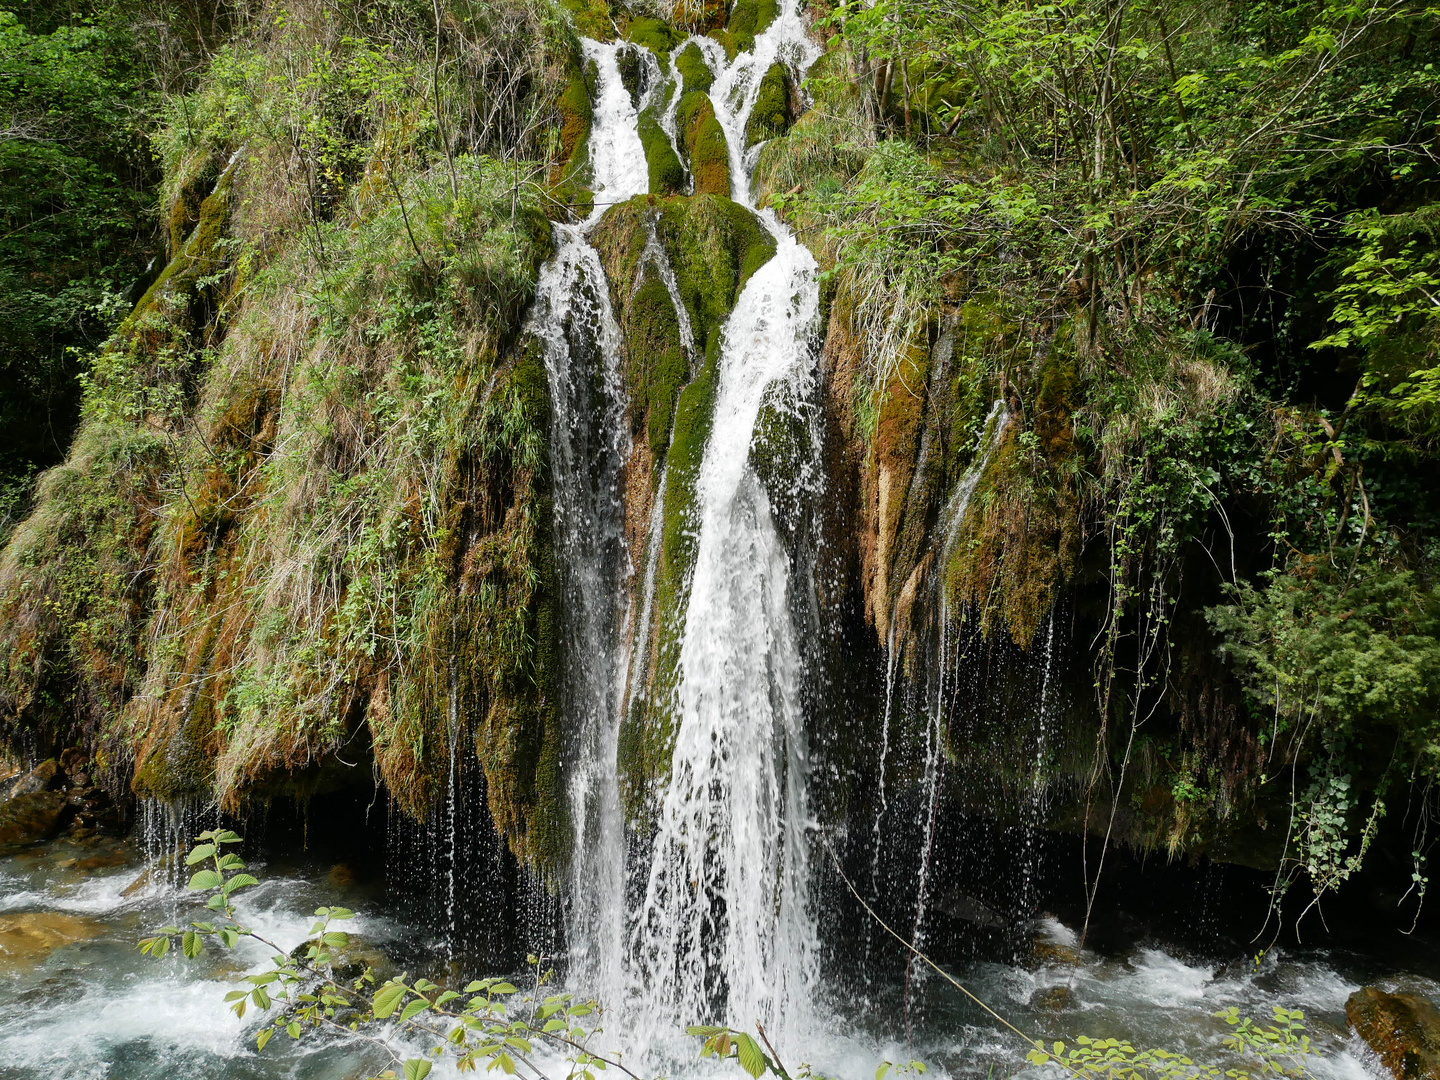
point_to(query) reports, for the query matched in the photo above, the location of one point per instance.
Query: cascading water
(589, 443)
(720, 925)
(725, 930)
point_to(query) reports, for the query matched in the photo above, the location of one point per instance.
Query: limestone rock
(31, 818)
(1402, 1029)
(40, 778)
(1053, 998)
(29, 937)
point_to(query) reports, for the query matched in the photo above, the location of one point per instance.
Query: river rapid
(79, 1001)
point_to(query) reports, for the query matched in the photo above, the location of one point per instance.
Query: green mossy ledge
(667, 174)
(694, 73)
(771, 117)
(657, 36)
(748, 19)
(568, 194)
(703, 144)
(713, 246)
(592, 18)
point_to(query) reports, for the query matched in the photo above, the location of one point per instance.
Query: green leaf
(240, 881)
(417, 1069)
(503, 988)
(415, 1007)
(292, 1029)
(206, 879)
(752, 1058)
(199, 853)
(335, 939)
(192, 944)
(263, 1038)
(388, 998)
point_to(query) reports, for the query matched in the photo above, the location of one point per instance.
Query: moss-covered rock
(703, 142)
(1021, 540)
(771, 115)
(592, 18)
(568, 192)
(694, 72)
(748, 19)
(658, 366)
(657, 36)
(667, 174)
(713, 246)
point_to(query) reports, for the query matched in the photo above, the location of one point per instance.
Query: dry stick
(1033, 1043)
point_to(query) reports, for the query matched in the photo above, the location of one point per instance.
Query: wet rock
(1053, 943)
(349, 962)
(342, 875)
(1402, 1029)
(1053, 998)
(140, 883)
(102, 862)
(966, 908)
(31, 818)
(41, 778)
(29, 937)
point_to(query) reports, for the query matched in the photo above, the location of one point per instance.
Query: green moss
(770, 118)
(713, 246)
(568, 190)
(1022, 538)
(657, 36)
(592, 18)
(198, 259)
(694, 73)
(647, 733)
(748, 18)
(632, 70)
(667, 175)
(704, 144)
(658, 365)
(782, 446)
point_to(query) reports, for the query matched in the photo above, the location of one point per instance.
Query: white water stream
(718, 926)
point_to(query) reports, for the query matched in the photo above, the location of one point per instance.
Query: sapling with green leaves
(490, 1023)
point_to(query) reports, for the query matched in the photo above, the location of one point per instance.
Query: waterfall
(573, 318)
(726, 931)
(718, 923)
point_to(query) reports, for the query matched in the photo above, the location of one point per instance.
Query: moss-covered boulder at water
(694, 72)
(704, 145)
(1402, 1029)
(771, 115)
(31, 819)
(748, 19)
(657, 36)
(667, 175)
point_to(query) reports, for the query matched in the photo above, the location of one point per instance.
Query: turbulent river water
(77, 1001)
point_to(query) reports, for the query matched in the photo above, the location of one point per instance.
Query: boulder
(40, 778)
(31, 818)
(29, 937)
(1402, 1029)
(1053, 998)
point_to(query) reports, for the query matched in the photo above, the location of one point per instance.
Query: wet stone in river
(1402, 1029)
(29, 937)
